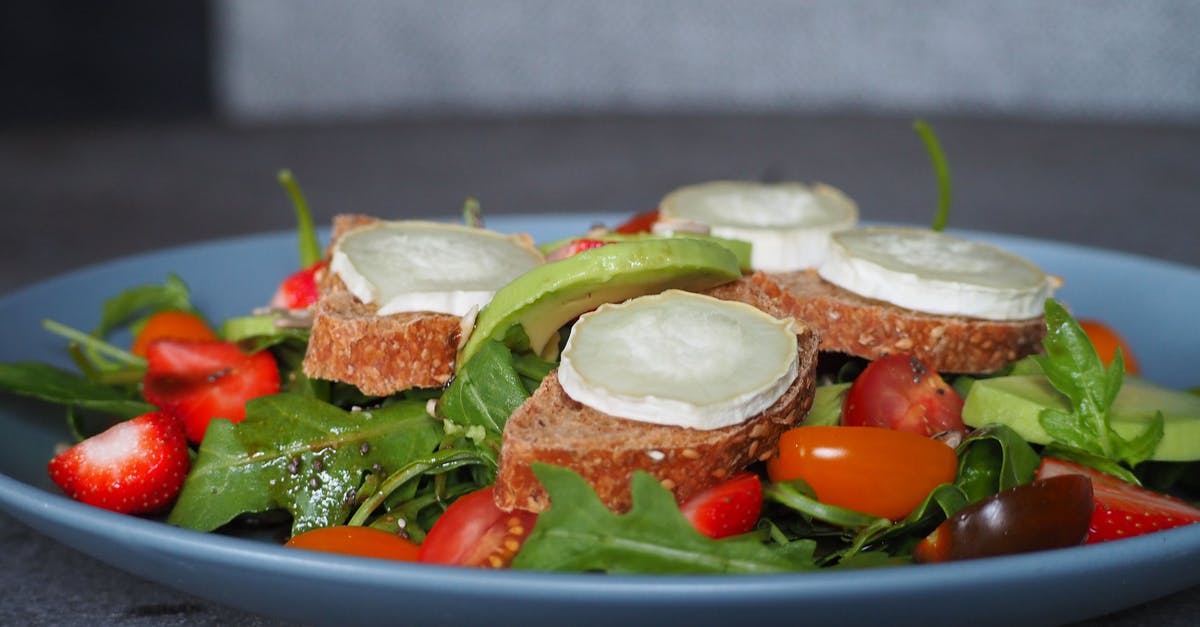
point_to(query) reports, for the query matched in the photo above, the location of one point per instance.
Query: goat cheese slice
(787, 224)
(679, 358)
(406, 266)
(932, 272)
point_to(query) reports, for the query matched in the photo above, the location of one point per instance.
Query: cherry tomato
(474, 532)
(360, 541)
(875, 471)
(173, 324)
(1107, 341)
(1046, 514)
(300, 289)
(639, 223)
(898, 392)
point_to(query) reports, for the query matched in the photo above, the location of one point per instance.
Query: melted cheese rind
(787, 224)
(406, 266)
(679, 358)
(935, 273)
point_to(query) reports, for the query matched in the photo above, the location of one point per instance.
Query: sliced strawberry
(299, 290)
(137, 466)
(197, 381)
(1123, 510)
(728, 508)
(575, 247)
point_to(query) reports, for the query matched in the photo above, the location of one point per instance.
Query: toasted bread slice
(380, 355)
(552, 428)
(863, 327)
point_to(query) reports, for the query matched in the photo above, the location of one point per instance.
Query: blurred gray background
(307, 59)
(143, 124)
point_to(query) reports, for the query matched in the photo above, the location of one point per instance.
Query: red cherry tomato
(474, 532)
(639, 223)
(1107, 341)
(875, 471)
(173, 324)
(360, 541)
(898, 392)
(299, 290)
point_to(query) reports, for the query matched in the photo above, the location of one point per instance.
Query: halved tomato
(639, 223)
(898, 392)
(474, 532)
(360, 541)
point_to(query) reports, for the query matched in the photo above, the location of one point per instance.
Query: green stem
(310, 248)
(439, 462)
(940, 169)
(94, 343)
(472, 213)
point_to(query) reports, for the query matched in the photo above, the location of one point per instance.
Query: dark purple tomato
(1037, 516)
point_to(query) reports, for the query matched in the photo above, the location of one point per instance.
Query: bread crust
(868, 328)
(605, 450)
(380, 355)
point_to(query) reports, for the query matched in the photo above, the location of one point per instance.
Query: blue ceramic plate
(1153, 302)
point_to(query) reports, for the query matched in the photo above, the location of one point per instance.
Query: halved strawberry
(298, 290)
(197, 381)
(137, 466)
(728, 508)
(1123, 510)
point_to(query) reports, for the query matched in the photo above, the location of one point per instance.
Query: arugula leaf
(310, 248)
(298, 454)
(56, 385)
(487, 390)
(1074, 369)
(992, 459)
(141, 301)
(578, 533)
(940, 169)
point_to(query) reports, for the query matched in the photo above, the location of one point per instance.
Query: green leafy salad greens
(321, 454)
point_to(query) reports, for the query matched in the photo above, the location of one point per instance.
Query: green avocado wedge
(551, 295)
(1016, 401)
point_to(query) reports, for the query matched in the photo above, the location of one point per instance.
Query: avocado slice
(1016, 401)
(736, 246)
(549, 296)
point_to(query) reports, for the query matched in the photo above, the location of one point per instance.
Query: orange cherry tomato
(474, 532)
(877, 471)
(360, 541)
(1106, 341)
(640, 223)
(173, 324)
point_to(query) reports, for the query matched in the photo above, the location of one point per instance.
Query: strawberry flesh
(1123, 510)
(197, 381)
(727, 509)
(299, 290)
(137, 466)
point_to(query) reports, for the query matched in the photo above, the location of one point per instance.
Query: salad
(408, 476)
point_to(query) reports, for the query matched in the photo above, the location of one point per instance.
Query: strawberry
(197, 381)
(299, 290)
(728, 508)
(575, 247)
(1122, 509)
(137, 466)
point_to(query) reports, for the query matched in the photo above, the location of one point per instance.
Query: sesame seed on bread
(855, 325)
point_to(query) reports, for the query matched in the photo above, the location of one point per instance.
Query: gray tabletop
(80, 196)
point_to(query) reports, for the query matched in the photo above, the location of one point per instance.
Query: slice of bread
(863, 327)
(550, 427)
(380, 355)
